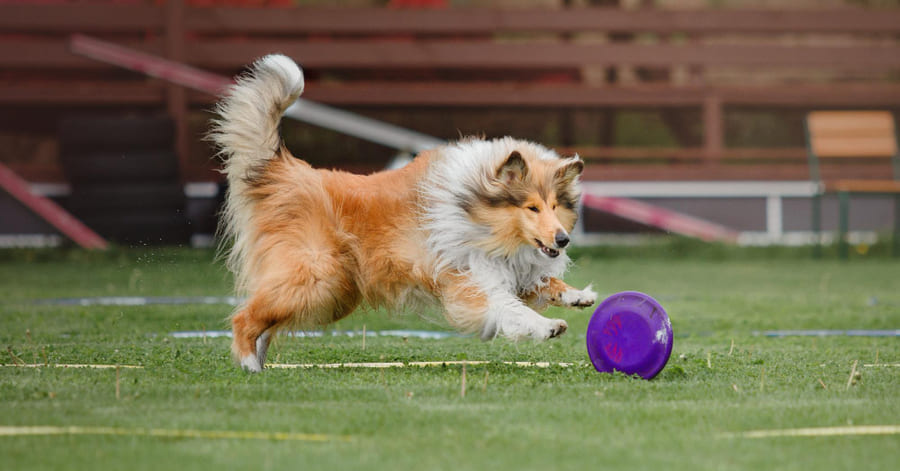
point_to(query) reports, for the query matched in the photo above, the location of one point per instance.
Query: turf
(722, 378)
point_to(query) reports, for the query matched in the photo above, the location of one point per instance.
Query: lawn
(189, 407)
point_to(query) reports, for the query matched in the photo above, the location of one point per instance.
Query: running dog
(478, 226)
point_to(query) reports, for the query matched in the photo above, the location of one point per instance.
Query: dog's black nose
(562, 239)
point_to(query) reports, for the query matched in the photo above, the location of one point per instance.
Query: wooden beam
(355, 54)
(88, 18)
(454, 95)
(176, 95)
(89, 93)
(578, 95)
(501, 94)
(713, 126)
(67, 18)
(638, 154)
(564, 21)
(722, 171)
(805, 95)
(369, 54)
(864, 186)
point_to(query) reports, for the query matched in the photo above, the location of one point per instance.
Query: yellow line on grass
(169, 433)
(818, 432)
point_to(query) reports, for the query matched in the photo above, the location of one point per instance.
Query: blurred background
(689, 113)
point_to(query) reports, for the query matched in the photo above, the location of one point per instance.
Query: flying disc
(630, 332)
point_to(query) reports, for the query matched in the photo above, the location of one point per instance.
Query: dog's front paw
(579, 298)
(557, 328)
(534, 326)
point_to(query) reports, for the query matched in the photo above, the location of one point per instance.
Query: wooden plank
(864, 186)
(851, 123)
(852, 133)
(637, 154)
(176, 95)
(578, 95)
(713, 125)
(17, 53)
(79, 17)
(805, 95)
(369, 54)
(49, 211)
(502, 94)
(96, 18)
(91, 93)
(456, 95)
(724, 172)
(859, 147)
(565, 21)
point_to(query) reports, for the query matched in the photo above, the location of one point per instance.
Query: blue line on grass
(140, 300)
(829, 333)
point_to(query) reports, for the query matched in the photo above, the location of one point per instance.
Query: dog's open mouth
(552, 253)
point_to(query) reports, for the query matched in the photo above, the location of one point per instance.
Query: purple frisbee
(630, 332)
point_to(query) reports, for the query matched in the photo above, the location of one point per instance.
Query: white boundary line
(818, 432)
(394, 364)
(398, 364)
(12, 431)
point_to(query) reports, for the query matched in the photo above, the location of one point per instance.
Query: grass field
(722, 380)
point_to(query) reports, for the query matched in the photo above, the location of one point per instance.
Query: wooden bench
(852, 138)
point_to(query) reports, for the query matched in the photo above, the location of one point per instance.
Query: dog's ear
(567, 173)
(512, 170)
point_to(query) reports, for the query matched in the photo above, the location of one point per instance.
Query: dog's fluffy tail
(246, 132)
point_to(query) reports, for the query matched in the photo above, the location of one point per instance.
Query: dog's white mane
(452, 237)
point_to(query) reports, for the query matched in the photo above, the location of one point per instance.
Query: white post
(774, 218)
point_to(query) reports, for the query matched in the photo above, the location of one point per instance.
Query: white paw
(535, 326)
(251, 363)
(557, 327)
(583, 298)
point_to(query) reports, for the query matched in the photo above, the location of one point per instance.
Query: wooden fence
(554, 59)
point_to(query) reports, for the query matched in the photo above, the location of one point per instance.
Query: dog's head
(528, 201)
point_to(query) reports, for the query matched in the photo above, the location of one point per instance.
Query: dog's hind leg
(305, 289)
(249, 334)
(262, 346)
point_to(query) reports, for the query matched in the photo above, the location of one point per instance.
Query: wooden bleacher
(558, 60)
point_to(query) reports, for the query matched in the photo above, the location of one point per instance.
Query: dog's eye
(534, 208)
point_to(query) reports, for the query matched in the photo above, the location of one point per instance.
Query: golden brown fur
(480, 227)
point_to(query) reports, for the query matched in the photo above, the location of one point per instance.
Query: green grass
(415, 418)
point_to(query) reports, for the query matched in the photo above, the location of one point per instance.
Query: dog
(478, 226)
